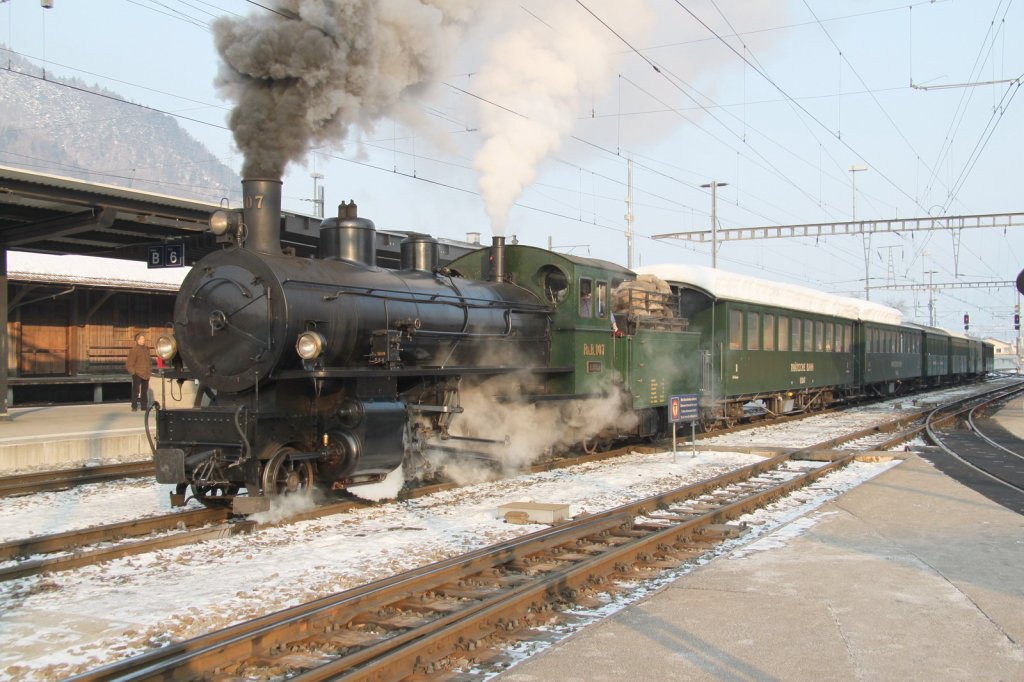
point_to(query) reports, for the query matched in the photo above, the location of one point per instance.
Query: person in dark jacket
(140, 366)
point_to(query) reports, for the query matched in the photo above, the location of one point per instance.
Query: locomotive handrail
(414, 297)
(412, 371)
(246, 448)
(241, 290)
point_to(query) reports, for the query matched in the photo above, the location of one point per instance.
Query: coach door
(707, 375)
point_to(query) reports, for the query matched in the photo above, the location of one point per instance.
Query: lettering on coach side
(593, 349)
(801, 367)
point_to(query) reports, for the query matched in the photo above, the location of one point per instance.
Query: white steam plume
(491, 411)
(538, 74)
(305, 74)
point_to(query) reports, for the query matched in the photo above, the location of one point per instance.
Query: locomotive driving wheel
(283, 474)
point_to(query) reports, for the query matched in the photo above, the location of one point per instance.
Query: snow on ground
(57, 625)
(771, 527)
(83, 507)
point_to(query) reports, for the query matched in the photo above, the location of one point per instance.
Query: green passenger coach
(773, 347)
(747, 347)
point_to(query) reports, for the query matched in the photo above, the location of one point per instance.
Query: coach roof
(734, 287)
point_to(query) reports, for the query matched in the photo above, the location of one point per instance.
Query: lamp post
(714, 185)
(867, 235)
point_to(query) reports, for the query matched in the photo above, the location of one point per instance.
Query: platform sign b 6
(684, 408)
(166, 256)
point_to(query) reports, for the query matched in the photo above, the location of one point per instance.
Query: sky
(529, 118)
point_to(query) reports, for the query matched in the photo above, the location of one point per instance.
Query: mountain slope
(59, 126)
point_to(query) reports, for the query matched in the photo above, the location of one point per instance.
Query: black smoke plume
(304, 73)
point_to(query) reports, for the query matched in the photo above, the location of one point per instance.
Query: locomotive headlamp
(166, 347)
(222, 222)
(310, 345)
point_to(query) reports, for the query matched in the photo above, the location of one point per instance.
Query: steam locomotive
(333, 373)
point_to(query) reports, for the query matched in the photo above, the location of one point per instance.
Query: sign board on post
(166, 256)
(684, 408)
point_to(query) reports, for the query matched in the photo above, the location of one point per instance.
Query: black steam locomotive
(330, 371)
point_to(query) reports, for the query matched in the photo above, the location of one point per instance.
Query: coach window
(794, 333)
(753, 328)
(768, 335)
(819, 336)
(586, 295)
(830, 334)
(783, 332)
(602, 299)
(808, 335)
(735, 329)
(849, 338)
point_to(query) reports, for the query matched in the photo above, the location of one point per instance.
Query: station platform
(55, 436)
(911, 575)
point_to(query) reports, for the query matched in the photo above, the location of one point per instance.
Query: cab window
(602, 299)
(556, 285)
(586, 298)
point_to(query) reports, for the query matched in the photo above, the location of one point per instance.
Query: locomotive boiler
(329, 370)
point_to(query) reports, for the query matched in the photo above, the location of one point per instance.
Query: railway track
(444, 615)
(992, 457)
(75, 549)
(62, 479)
(414, 621)
(63, 551)
(88, 546)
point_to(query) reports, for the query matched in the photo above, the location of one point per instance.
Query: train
(332, 374)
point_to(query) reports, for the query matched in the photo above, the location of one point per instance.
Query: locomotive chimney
(497, 259)
(261, 211)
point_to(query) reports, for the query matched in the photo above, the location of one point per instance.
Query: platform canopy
(52, 214)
